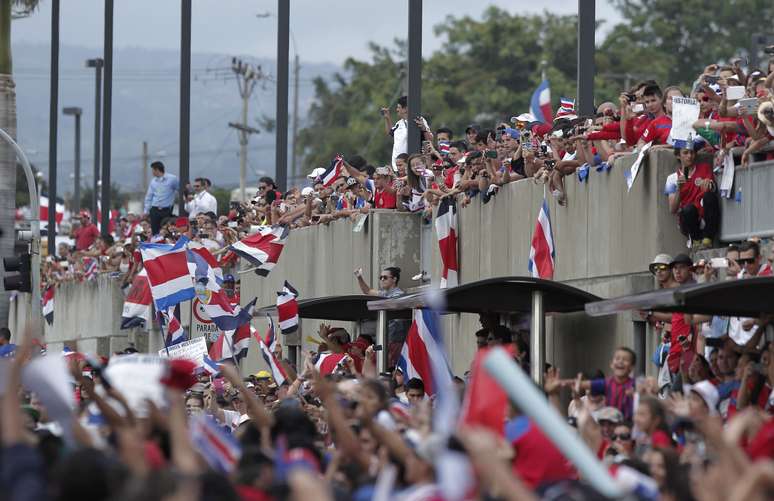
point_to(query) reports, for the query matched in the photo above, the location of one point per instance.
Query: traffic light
(18, 271)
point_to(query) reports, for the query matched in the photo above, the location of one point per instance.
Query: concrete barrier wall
(604, 239)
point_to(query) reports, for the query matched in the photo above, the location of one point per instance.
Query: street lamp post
(76, 112)
(97, 65)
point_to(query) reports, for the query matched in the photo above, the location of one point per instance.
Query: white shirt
(399, 139)
(201, 203)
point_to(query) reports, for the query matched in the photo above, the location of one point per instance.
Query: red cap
(181, 222)
(179, 374)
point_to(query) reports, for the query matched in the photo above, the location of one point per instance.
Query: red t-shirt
(385, 200)
(537, 460)
(85, 236)
(449, 180)
(679, 328)
(657, 130)
(690, 193)
(634, 128)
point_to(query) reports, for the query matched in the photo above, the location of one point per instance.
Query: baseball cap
(384, 171)
(682, 259)
(319, 171)
(608, 414)
(262, 375)
(709, 394)
(307, 191)
(524, 117)
(229, 278)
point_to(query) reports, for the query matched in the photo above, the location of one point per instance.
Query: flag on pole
(137, 305)
(287, 308)
(446, 230)
(540, 104)
(332, 173)
(542, 252)
(175, 332)
(168, 274)
(48, 304)
(220, 449)
(60, 210)
(485, 404)
(423, 348)
(263, 249)
(210, 366)
(268, 346)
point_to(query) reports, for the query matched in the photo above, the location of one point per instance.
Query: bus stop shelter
(500, 295)
(748, 297)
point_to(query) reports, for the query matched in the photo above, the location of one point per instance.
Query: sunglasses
(744, 261)
(654, 268)
(384, 277)
(624, 437)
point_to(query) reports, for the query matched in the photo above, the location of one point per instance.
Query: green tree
(677, 39)
(485, 71)
(118, 198)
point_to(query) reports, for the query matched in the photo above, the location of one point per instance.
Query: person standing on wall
(160, 196)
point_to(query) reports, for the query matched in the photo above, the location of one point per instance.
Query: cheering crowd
(335, 428)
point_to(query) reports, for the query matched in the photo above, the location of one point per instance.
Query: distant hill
(145, 108)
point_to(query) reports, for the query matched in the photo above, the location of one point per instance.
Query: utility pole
(97, 65)
(76, 112)
(283, 49)
(185, 98)
(247, 75)
(586, 48)
(294, 173)
(414, 73)
(107, 123)
(53, 127)
(144, 167)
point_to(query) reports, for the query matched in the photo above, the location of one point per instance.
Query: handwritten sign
(194, 350)
(685, 112)
(138, 378)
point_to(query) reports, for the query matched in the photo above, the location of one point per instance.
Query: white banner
(194, 350)
(636, 166)
(138, 378)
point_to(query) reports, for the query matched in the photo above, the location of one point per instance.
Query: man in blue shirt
(160, 197)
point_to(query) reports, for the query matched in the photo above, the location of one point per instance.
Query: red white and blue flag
(60, 210)
(542, 252)
(219, 449)
(287, 308)
(137, 305)
(168, 274)
(210, 366)
(332, 173)
(540, 104)
(233, 344)
(90, 268)
(263, 249)
(422, 350)
(328, 362)
(175, 332)
(268, 346)
(48, 304)
(202, 263)
(566, 108)
(446, 229)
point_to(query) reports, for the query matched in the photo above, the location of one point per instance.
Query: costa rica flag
(287, 308)
(168, 274)
(542, 251)
(540, 104)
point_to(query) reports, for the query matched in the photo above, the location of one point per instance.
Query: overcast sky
(324, 30)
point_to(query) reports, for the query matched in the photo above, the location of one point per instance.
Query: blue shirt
(161, 192)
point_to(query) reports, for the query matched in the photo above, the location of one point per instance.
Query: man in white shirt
(201, 201)
(399, 131)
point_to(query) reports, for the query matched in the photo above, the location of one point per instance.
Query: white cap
(708, 393)
(319, 171)
(307, 191)
(524, 117)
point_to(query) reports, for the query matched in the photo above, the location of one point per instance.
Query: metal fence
(750, 209)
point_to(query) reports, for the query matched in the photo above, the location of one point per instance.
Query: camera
(711, 79)
(550, 164)
(351, 181)
(630, 97)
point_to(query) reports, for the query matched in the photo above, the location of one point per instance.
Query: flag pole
(161, 328)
